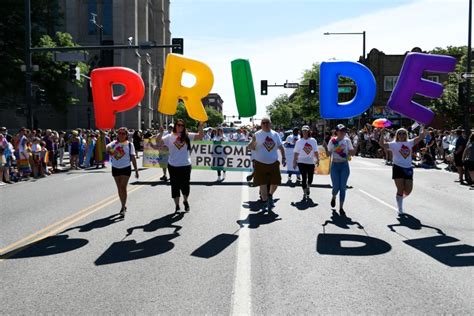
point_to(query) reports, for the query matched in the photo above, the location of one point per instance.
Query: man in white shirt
(266, 144)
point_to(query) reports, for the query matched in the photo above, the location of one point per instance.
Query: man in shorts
(266, 143)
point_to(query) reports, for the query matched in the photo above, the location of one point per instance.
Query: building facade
(123, 22)
(214, 101)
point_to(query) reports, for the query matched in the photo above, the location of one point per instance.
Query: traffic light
(74, 72)
(177, 49)
(462, 93)
(263, 87)
(40, 97)
(312, 86)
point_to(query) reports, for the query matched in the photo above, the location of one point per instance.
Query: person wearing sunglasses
(402, 169)
(179, 160)
(341, 149)
(266, 143)
(122, 153)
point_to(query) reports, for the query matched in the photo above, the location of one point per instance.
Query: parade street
(63, 250)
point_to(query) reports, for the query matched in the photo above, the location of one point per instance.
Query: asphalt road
(64, 252)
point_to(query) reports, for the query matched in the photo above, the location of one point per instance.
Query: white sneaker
(223, 176)
(218, 178)
(400, 212)
(2, 183)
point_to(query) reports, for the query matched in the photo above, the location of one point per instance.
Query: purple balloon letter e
(365, 94)
(410, 82)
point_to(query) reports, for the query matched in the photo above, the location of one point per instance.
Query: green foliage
(46, 18)
(281, 111)
(54, 76)
(447, 105)
(215, 118)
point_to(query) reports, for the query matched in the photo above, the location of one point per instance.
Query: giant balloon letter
(105, 103)
(172, 90)
(364, 79)
(410, 82)
(243, 88)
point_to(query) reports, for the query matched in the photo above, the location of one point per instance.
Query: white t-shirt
(266, 150)
(120, 153)
(218, 138)
(292, 139)
(306, 149)
(401, 153)
(178, 149)
(340, 149)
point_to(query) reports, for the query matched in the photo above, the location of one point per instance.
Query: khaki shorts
(267, 173)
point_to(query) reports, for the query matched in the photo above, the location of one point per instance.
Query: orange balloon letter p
(172, 90)
(105, 103)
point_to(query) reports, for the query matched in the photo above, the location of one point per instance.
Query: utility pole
(28, 64)
(467, 105)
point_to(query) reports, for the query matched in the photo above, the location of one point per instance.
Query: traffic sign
(344, 89)
(70, 56)
(467, 75)
(291, 85)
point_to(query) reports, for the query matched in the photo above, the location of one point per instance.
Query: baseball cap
(305, 128)
(340, 127)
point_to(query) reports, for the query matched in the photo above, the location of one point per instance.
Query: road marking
(79, 176)
(378, 200)
(57, 227)
(241, 295)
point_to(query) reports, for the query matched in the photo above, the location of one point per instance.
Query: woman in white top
(122, 155)
(402, 170)
(179, 161)
(341, 149)
(305, 155)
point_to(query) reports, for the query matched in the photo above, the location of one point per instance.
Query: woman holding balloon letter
(402, 170)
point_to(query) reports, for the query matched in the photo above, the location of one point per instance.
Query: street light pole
(101, 35)
(351, 33)
(28, 64)
(467, 107)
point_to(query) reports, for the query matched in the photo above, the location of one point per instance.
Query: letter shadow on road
(46, 247)
(332, 244)
(127, 250)
(60, 243)
(452, 255)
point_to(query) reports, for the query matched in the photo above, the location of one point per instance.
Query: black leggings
(307, 173)
(179, 178)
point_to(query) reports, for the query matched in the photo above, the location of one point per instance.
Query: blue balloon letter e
(365, 82)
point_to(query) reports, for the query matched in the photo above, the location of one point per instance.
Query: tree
(447, 105)
(215, 117)
(281, 111)
(46, 17)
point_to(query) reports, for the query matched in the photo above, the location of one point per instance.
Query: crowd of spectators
(38, 153)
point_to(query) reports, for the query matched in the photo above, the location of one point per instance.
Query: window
(91, 9)
(433, 78)
(107, 17)
(389, 83)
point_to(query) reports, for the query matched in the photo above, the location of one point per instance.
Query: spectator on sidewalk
(459, 147)
(468, 158)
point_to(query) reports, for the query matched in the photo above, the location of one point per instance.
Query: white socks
(400, 203)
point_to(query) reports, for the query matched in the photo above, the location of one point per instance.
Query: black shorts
(127, 171)
(469, 164)
(458, 160)
(402, 173)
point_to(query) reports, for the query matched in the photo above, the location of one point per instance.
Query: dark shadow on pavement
(46, 247)
(166, 221)
(256, 206)
(214, 246)
(331, 244)
(451, 255)
(304, 204)
(341, 221)
(128, 250)
(99, 223)
(223, 183)
(261, 218)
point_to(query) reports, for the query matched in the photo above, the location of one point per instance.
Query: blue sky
(260, 19)
(283, 38)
